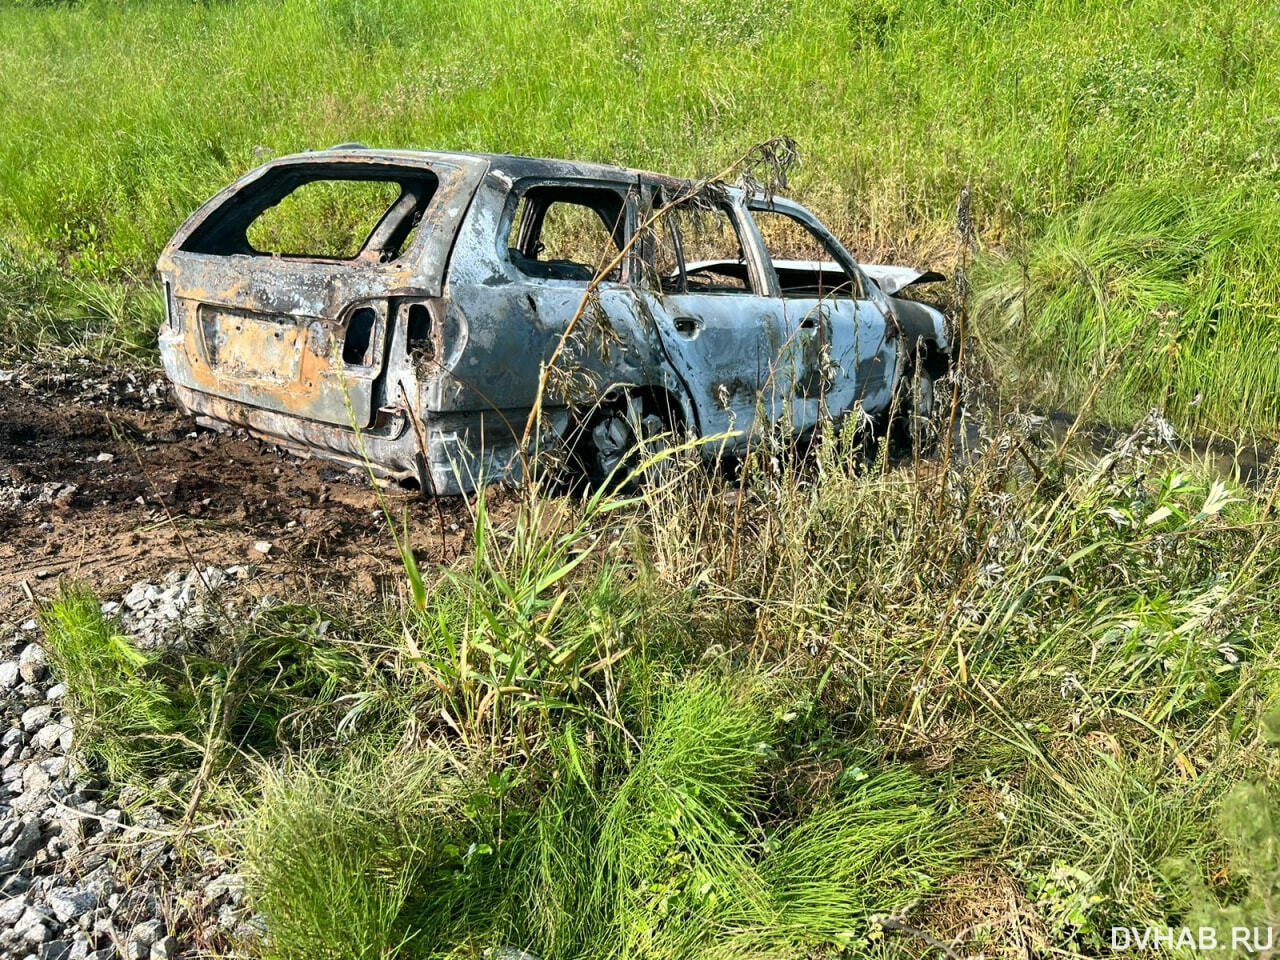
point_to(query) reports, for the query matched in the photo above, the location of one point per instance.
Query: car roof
(511, 165)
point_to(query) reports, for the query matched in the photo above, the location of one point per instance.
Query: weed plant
(172, 723)
(772, 716)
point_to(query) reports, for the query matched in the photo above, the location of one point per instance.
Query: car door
(722, 330)
(845, 353)
(523, 270)
(563, 233)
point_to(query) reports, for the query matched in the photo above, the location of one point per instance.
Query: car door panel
(845, 357)
(726, 350)
(510, 330)
(830, 301)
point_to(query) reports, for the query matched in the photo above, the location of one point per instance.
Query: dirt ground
(104, 481)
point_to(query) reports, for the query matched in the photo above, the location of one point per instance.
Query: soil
(104, 481)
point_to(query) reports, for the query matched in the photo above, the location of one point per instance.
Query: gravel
(69, 904)
(141, 938)
(36, 717)
(9, 675)
(32, 663)
(165, 613)
(87, 871)
(20, 496)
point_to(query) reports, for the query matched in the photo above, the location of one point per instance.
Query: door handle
(810, 322)
(687, 326)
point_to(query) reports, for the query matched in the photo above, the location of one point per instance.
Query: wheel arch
(671, 405)
(924, 335)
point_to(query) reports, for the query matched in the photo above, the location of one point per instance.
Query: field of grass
(1123, 159)
(1002, 700)
(831, 712)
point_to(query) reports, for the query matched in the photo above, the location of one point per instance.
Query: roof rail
(349, 146)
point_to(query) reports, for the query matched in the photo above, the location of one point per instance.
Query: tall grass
(1166, 278)
(837, 685)
(532, 626)
(767, 716)
(121, 117)
(897, 103)
(173, 722)
(662, 855)
(1071, 627)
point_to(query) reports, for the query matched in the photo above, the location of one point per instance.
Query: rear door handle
(687, 326)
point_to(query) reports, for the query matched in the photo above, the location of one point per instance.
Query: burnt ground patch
(103, 480)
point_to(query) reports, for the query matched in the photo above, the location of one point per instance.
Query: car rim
(618, 434)
(612, 438)
(924, 396)
(922, 405)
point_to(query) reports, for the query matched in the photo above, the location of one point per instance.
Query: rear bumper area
(465, 450)
(391, 448)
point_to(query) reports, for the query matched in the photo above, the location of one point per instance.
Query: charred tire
(614, 442)
(912, 431)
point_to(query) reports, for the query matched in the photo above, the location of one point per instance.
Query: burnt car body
(420, 345)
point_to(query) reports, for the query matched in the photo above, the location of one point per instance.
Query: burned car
(416, 339)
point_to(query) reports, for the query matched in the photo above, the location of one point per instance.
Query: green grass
(834, 693)
(1248, 821)
(128, 721)
(774, 721)
(786, 719)
(173, 722)
(656, 849)
(1170, 281)
(1126, 155)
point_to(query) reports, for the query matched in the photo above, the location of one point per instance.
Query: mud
(102, 480)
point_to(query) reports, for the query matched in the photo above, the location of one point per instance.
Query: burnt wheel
(912, 430)
(615, 442)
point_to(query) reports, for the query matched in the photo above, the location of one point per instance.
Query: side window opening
(806, 267)
(696, 249)
(567, 233)
(331, 213)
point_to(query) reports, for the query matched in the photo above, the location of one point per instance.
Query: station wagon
(415, 336)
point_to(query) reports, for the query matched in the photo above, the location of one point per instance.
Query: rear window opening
(327, 219)
(337, 212)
